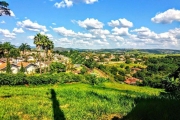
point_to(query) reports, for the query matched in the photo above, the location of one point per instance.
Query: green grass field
(73, 101)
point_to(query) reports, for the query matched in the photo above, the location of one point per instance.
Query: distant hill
(116, 50)
(61, 49)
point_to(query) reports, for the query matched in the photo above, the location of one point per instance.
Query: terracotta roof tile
(2, 66)
(25, 64)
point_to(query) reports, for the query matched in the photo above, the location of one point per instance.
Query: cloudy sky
(94, 24)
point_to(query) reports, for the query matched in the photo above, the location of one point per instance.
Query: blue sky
(94, 24)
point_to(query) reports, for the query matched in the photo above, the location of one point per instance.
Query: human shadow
(58, 113)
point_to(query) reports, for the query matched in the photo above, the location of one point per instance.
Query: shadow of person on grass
(58, 114)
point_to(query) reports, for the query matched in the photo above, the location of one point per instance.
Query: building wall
(14, 69)
(30, 69)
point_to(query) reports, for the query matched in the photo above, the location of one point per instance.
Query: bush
(21, 79)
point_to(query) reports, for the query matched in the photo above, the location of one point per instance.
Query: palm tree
(47, 46)
(49, 51)
(38, 41)
(3, 8)
(42, 41)
(23, 47)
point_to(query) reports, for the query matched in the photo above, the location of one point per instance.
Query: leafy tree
(7, 48)
(3, 8)
(57, 67)
(8, 67)
(22, 69)
(83, 70)
(14, 52)
(171, 84)
(128, 61)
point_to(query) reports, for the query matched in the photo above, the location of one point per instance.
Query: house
(14, 68)
(29, 67)
(30, 59)
(134, 70)
(132, 81)
(2, 61)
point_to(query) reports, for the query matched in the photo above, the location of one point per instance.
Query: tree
(1, 50)
(43, 42)
(3, 8)
(38, 41)
(47, 46)
(57, 67)
(14, 52)
(23, 47)
(8, 67)
(6, 49)
(22, 69)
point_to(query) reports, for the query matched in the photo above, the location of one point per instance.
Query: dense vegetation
(161, 72)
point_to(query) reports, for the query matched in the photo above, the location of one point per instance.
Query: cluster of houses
(15, 67)
(30, 64)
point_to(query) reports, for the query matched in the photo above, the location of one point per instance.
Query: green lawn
(71, 101)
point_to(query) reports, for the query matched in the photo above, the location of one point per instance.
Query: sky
(94, 24)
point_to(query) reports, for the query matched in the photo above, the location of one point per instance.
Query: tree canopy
(3, 8)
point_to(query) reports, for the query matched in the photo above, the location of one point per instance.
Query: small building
(134, 70)
(2, 61)
(14, 68)
(132, 81)
(29, 67)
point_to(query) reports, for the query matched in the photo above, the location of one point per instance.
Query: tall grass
(76, 101)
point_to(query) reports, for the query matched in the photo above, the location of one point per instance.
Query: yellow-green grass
(71, 101)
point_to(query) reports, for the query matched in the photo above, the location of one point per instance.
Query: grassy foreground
(72, 101)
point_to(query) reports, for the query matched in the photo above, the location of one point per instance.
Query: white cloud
(6, 33)
(83, 43)
(100, 32)
(101, 43)
(64, 32)
(114, 23)
(12, 13)
(167, 17)
(16, 30)
(90, 23)
(84, 35)
(54, 23)
(90, 1)
(3, 22)
(147, 37)
(30, 37)
(115, 38)
(144, 33)
(120, 31)
(69, 3)
(121, 22)
(47, 34)
(65, 41)
(32, 26)
(64, 3)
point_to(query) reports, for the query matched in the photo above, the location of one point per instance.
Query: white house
(29, 67)
(14, 68)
